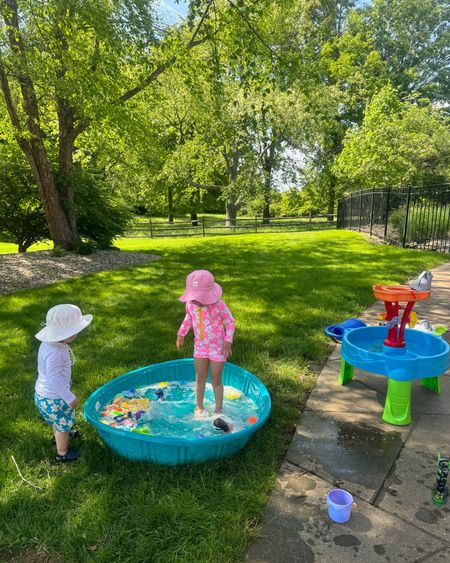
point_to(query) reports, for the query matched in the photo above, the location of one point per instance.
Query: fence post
(351, 211)
(405, 226)
(310, 219)
(360, 210)
(203, 225)
(388, 197)
(371, 210)
(151, 230)
(256, 223)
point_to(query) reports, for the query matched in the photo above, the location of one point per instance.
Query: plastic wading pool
(175, 451)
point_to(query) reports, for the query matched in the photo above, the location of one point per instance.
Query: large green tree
(398, 143)
(65, 66)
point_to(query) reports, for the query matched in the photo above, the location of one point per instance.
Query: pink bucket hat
(201, 287)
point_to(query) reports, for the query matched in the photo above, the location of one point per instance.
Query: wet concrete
(354, 452)
(300, 530)
(407, 491)
(341, 441)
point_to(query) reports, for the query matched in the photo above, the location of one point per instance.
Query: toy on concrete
(340, 504)
(399, 353)
(440, 491)
(336, 332)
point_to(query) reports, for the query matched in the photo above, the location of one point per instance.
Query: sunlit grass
(10, 248)
(283, 290)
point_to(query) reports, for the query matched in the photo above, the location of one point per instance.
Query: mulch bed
(36, 269)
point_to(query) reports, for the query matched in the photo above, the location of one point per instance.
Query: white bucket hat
(63, 321)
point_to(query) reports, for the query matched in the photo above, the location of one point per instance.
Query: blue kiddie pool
(176, 450)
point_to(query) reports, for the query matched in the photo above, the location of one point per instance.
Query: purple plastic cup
(340, 504)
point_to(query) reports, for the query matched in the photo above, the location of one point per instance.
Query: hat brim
(207, 297)
(52, 334)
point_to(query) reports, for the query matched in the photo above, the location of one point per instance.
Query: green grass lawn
(283, 290)
(11, 248)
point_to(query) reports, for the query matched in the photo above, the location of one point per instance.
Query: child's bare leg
(62, 441)
(201, 375)
(216, 380)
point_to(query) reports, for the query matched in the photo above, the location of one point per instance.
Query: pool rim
(219, 439)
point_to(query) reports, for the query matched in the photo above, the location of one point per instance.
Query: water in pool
(166, 409)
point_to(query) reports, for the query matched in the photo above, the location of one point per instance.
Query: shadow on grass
(282, 289)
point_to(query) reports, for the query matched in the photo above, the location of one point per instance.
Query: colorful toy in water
(163, 384)
(160, 394)
(252, 419)
(336, 332)
(232, 395)
(142, 430)
(137, 404)
(440, 491)
(221, 424)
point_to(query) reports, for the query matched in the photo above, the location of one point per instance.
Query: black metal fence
(206, 226)
(414, 217)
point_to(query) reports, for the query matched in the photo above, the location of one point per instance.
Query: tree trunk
(230, 214)
(331, 198)
(194, 219)
(58, 224)
(268, 165)
(170, 203)
(67, 136)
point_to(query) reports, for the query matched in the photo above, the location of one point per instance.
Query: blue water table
(172, 450)
(399, 353)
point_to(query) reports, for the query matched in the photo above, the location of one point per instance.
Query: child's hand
(226, 349)
(74, 403)
(180, 341)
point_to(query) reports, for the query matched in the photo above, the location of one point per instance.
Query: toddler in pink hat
(213, 327)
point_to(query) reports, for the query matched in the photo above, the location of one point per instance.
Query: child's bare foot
(200, 413)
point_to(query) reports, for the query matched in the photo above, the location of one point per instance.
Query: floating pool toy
(136, 404)
(252, 419)
(142, 430)
(402, 355)
(143, 446)
(232, 395)
(222, 424)
(163, 384)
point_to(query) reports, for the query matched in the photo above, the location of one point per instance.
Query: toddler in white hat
(53, 397)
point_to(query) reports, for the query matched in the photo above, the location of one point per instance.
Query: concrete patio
(341, 441)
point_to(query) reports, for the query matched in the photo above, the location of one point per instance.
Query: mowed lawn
(283, 290)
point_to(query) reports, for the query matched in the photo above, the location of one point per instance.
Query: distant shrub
(427, 224)
(22, 218)
(100, 216)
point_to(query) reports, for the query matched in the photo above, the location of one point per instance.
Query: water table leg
(432, 383)
(345, 373)
(397, 409)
